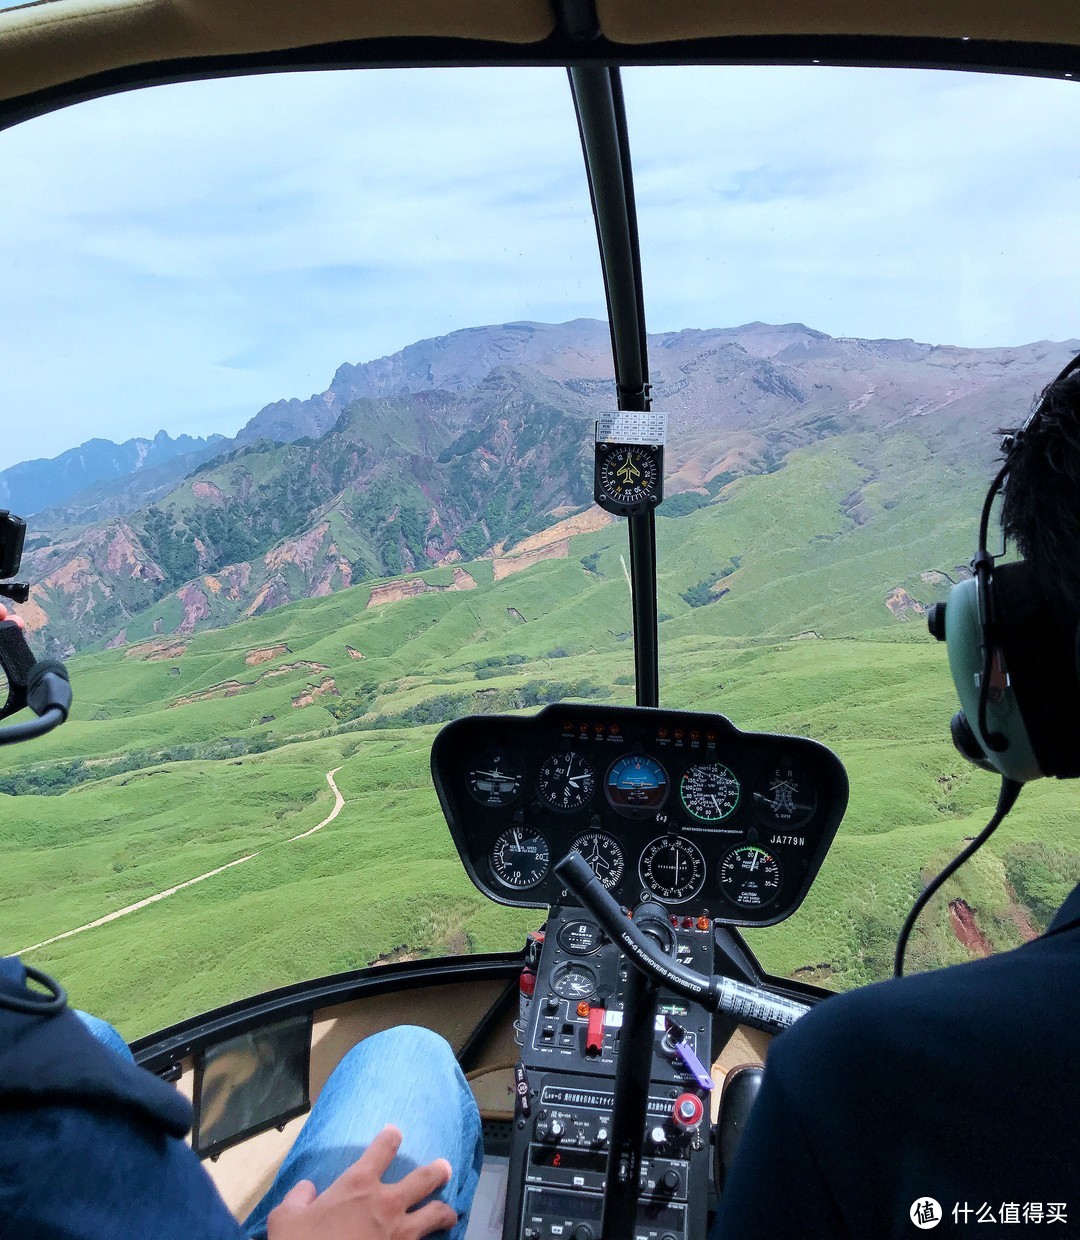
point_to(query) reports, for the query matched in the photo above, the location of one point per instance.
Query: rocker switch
(594, 1035)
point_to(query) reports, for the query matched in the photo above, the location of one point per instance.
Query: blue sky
(179, 257)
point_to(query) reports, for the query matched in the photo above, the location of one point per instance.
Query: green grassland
(179, 761)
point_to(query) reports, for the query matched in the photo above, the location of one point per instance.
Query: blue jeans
(406, 1076)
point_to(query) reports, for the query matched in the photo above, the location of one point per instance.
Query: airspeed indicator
(709, 792)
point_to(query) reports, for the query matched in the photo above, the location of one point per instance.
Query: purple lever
(677, 1035)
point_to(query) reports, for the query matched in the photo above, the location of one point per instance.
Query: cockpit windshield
(365, 313)
(882, 257)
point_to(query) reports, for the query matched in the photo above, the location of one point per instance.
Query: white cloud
(181, 256)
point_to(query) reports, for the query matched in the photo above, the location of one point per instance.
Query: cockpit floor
(489, 1204)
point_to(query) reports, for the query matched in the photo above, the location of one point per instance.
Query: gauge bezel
(768, 817)
(557, 755)
(610, 882)
(743, 847)
(524, 832)
(709, 766)
(680, 895)
(578, 967)
(647, 460)
(512, 760)
(641, 809)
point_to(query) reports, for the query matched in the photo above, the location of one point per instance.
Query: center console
(570, 1043)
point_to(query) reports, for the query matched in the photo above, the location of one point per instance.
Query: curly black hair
(1040, 510)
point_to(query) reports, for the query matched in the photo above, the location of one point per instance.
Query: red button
(687, 1110)
(594, 1037)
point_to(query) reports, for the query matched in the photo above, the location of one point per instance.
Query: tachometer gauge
(574, 981)
(636, 782)
(604, 853)
(750, 877)
(709, 792)
(566, 780)
(495, 777)
(520, 857)
(783, 796)
(673, 869)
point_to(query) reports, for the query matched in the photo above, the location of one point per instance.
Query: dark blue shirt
(90, 1145)
(962, 1086)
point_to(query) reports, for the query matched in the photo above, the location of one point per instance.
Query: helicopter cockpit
(563, 688)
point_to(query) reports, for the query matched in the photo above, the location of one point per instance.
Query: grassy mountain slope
(188, 752)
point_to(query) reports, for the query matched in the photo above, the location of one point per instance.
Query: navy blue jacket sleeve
(68, 1173)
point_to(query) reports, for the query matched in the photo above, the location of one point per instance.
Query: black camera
(12, 537)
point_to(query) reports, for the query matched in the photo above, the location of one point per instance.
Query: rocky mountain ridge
(460, 447)
(31, 486)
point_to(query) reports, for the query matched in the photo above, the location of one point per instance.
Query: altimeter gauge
(604, 853)
(750, 876)
(495, 776)
(710, 792)
(566, 780)
(673, 869)
(628, 477)
(520, 857)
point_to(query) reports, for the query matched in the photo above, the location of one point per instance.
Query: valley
(796, 562)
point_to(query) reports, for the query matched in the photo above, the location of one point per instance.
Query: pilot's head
(1013, 630)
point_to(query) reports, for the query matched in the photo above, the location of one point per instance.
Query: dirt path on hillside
(339, 805)
(134, 908)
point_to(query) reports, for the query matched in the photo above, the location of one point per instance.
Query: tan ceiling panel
(647, 21)
(43, 45)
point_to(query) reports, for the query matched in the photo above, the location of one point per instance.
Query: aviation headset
(1013, 653)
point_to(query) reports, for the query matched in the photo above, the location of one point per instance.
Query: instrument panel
(673, 806)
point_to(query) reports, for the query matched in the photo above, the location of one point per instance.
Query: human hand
(359, 1206)
(10, 615)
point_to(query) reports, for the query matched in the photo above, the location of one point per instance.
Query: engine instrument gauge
(566, 781)
(785, 797)
(709, 792)
(574, 980)
(604, 853)
(673, 869)
(636, 782)
(520, 857)
(495, 777)
(750, 876)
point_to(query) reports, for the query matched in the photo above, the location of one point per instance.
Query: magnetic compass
(629, 477)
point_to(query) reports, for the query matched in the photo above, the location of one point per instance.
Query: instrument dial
(750, 876)
(520, 857)
(604, 853)
(574, 981)
(709, 792)
(495, 777)
(785, 797)
(673, 869)
(566, 781)
(628, 477)
(636, 782)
